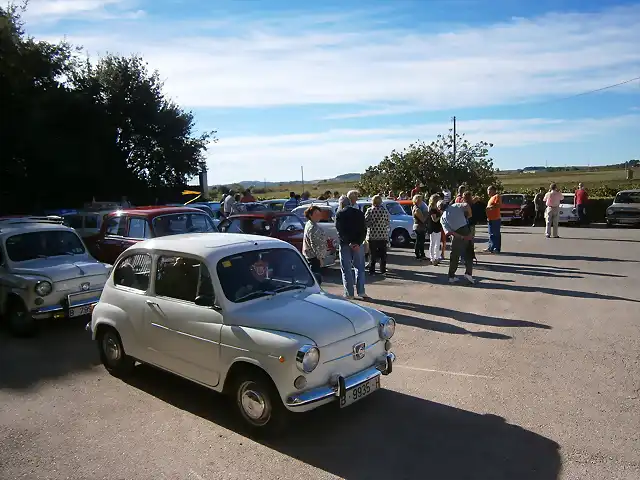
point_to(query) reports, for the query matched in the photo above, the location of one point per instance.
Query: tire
(258, 403)
(112, 353)
(400, 238)
(19, 320)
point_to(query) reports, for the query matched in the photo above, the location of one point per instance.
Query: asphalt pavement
(532, 373)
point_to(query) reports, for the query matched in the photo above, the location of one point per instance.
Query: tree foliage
(433, 166)
(72, 129)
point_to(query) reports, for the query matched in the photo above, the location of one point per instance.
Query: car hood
(630, 207)
(321, 317)
(61, 268)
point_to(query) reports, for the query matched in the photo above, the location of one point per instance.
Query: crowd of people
(435, 220)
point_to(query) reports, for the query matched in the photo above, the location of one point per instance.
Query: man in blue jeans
(352, 231)
(493, 219)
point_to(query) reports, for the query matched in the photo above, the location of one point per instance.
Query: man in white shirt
(229, 203)
(552, 200)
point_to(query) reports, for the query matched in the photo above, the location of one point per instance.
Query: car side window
(230, 226)
(91, 221)
(260, 227)
(134, 272)
(116, 226)
(138, 228)
(182, 278)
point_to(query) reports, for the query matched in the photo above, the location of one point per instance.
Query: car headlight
(307, 358)
(386, 328)
(43, 288)
(609, 211)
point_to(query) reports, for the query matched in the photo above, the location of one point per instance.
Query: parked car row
(240, 314)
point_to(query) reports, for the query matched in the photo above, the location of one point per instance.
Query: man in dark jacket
(352, 231)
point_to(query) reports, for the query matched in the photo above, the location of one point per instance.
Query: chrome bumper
(83, 299)
(344, 383)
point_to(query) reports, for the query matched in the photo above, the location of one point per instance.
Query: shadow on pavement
(390, 435)
(441, 327)
(464, 317)
(520, 268)
(561, 258)
(604, 239)
(553, 291)
(60, 349)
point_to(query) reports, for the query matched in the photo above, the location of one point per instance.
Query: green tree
(433, 166)
(72, 130)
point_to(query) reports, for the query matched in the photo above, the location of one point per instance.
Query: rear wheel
(112, 353)
(19, 320)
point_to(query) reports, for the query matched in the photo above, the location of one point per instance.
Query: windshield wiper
(293, 286)
(256, 294)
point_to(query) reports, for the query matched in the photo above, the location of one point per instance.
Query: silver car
(401, 230)
(625, 209)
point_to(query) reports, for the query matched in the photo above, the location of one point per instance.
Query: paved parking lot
(532, 373)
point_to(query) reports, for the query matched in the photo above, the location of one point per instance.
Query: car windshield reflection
(260, 273)
(32, 245)
(178, 223)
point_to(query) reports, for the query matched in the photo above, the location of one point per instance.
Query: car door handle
(152, 304)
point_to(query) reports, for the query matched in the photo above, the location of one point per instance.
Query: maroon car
(123, 228)
(282, 225)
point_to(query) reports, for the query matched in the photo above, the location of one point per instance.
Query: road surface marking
(460, 374)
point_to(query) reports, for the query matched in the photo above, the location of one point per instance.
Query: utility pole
(302, 173)
(454, 138)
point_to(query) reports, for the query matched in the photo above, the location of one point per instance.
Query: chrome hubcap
(254, 404)
(111, 348)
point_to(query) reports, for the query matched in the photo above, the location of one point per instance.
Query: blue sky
(335, 85)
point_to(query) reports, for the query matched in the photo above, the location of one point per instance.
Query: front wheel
(400, 237)
(259, 403)
(20, 321)
(112, 353)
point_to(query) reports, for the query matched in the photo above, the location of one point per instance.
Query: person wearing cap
(455, 223)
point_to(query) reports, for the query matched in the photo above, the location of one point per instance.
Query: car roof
(208, 245)
(154, 211)
(633, 190)
(274, 200)
(261, 214)
(12, 229)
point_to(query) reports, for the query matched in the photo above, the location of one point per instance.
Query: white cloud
(330, 153)
(252, 64)
(50, 11)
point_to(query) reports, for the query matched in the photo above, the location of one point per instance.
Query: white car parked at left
(242, 315)
(45, 272)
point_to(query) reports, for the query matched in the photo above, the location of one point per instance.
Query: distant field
(511, 182)
(564, 179)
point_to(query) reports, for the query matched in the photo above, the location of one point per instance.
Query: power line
(592, 91)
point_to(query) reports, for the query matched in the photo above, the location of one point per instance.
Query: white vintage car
(242, 315)
(567, 212)
(45, 272)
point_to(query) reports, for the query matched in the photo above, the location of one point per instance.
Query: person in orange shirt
(493, 219)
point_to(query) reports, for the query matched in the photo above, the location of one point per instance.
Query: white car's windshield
(568, 200)
(50, 243)
(177, 223)
(261, 273)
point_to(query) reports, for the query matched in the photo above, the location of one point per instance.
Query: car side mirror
(318, 278)
(205, 300)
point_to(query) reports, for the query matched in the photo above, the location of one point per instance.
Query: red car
(281, 225)
(516, 208)
(123, 228)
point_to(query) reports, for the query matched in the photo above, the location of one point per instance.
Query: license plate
(359, 391)
(79, 311)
